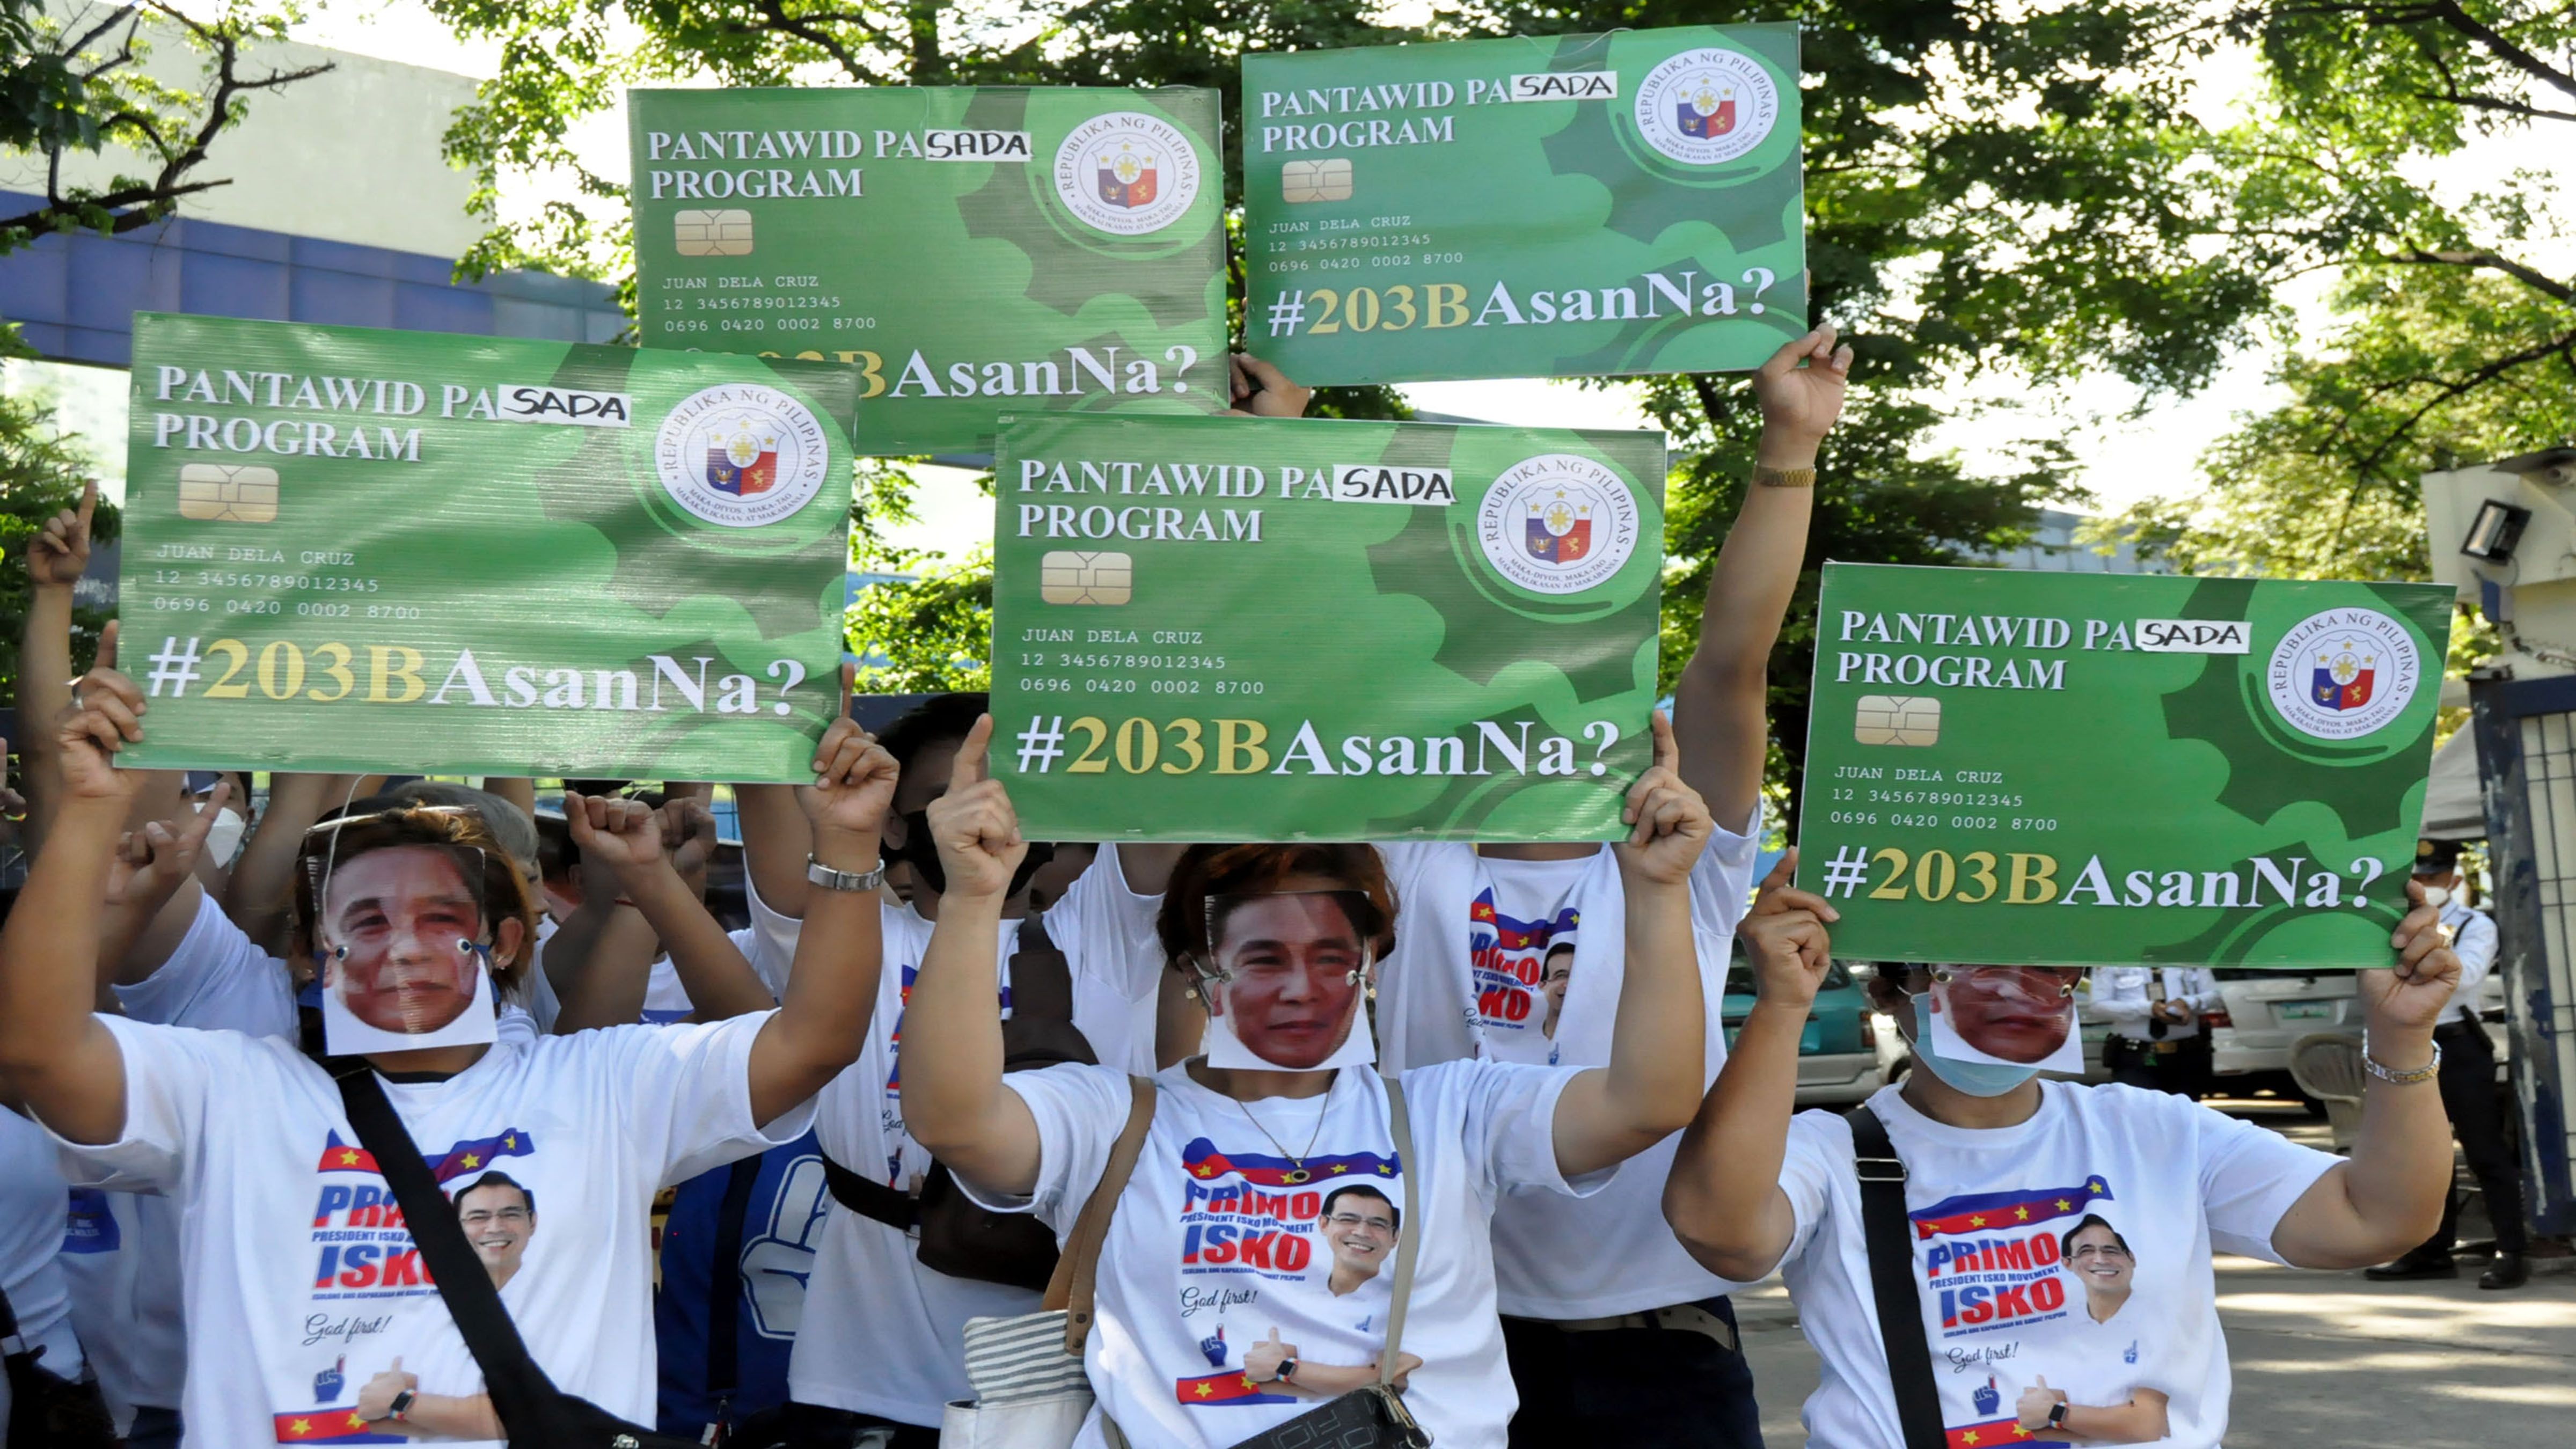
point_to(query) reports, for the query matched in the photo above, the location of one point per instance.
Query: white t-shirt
(2473, 940)
(33, 1205)
(1991, 1210)
(667, 1000)
(1219, 1240)
(882, 1334)
(301, 1283)
(122, 1255)
(1427, 1012)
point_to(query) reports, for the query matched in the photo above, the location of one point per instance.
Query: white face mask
(224, 837)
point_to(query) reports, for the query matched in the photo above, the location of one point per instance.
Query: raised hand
(974, 826)
(57, 556)
(1670, 821)
(688, 836)
(1801, 392)
(2411, 995)
(152, 862)
(1785, 938)
(106, 715)
(1263, 391)
(625, 835)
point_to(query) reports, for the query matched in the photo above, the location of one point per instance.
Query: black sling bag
(1888, 1235)
(535, 1413)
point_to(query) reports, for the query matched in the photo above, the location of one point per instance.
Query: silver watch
(843, 880)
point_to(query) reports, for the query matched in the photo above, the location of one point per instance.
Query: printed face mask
(1977, 1079)
(2010, 1016)
(403, 964)
(1289, 984)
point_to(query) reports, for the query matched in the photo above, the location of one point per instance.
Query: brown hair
(481, 859)
(1204, 871)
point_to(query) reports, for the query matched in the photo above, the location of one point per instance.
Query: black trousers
(2187, 1070)
(2477, 1119)
(1632, 1388)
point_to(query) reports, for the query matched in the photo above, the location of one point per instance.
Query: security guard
(2156, 1041)
(2469, 1093)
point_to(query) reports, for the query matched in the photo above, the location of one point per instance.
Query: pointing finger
(1668, 755)
(107, 645)
(88, 504)
(974, 763)
(1783, 871)
(849, 684)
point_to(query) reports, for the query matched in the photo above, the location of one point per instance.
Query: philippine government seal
(1127, 173)
(1557, 523)
(1707, 107)
(2344, 673)
(741, 455)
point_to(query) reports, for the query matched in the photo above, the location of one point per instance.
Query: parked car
(2267, 1011)
(1838, 1058)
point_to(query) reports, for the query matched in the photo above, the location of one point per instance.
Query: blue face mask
(1977, 1079)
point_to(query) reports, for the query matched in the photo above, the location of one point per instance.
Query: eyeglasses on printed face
(1354, 1220)
(2097, 1250)
(510, 1217)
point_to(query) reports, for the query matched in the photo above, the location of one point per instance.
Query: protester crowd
(1237, 1108)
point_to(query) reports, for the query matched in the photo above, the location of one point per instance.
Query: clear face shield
(1286, 981)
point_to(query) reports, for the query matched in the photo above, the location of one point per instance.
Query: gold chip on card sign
(1065, 577)
(1325, 180)
(1896, 719)
(218, 494)
(712, 233)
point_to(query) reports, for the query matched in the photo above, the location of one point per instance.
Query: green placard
(971, 250)
(1539, 207)
(353, 550)
(1260, 629)
(2093, 769)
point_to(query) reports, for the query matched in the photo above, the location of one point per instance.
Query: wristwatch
(843, 880)
(1766, 476)
(1287, 1370)
(400, 1410)
(2057, 1415)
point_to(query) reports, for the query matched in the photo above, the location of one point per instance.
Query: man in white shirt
(2154, 1011)
(2469, 1093)
(1626, 1341)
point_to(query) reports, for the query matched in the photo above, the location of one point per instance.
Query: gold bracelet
(1766, 476)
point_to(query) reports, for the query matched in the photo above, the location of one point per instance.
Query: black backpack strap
(870, 1198)
(528, 1402)
(1041, 977)
(1888, 1235)
(724, 1289)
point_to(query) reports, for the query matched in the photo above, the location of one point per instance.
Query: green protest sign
(1535, 207)
(353, 550)
(2093, 769)
(1262, 629)
(970, 250)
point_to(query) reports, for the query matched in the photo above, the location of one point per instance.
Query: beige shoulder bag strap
(1408, 1235)
(1079, 1268)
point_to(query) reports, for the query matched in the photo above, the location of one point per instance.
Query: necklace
(1297, 1172)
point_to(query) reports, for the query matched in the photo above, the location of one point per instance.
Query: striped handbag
(1030, 1390)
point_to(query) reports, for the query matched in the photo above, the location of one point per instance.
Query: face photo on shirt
(1288, 982)
(1552, 981)
(1360, 1225)
(404, 964)
(2017, 1016)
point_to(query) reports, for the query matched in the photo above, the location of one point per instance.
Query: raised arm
(153, 892)
(1723, 1198)
(56, 556)
(954, 1102)
(832, 983)
(1719, 701)
(55, 1054)
(775, 840)
(1612, 1113)
(2388, 1196)
(261, 894)
(600, 958)
(629, 836)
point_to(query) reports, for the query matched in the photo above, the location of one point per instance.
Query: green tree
(2452, 336)
(41, 473)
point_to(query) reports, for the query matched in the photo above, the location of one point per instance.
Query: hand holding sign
(1671, 820)
(853, 786)
(977, 831)
(1801, 391)
(2410, 996)
(106, 715)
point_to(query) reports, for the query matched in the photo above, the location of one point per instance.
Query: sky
(2120, 458)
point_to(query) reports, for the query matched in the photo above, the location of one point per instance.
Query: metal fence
(2526, 737)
